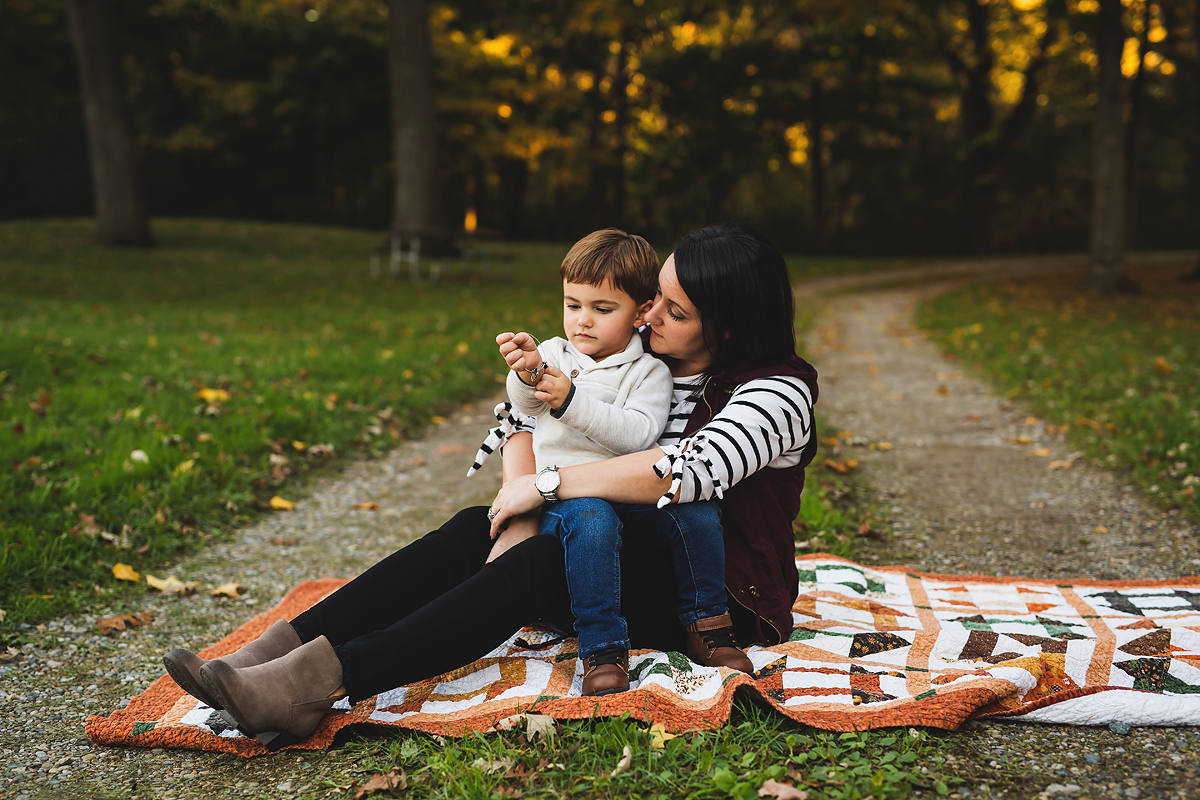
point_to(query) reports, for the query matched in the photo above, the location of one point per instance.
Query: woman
(741, 430)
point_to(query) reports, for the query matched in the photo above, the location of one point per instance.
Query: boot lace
(721, 637)
(609, 655)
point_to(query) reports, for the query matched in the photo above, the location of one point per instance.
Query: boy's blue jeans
(591, 531)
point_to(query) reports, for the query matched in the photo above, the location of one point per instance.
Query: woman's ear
(643, 309)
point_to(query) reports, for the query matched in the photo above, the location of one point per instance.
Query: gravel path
(969, 490)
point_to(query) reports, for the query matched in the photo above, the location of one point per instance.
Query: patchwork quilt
(872, 647)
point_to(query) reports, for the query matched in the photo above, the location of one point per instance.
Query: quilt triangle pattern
(871, 647)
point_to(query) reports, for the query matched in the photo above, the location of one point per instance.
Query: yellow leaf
(366, 506)
(227, 590)
(172, 585)
(830, 441)
(386, 354)
(462, 349)
(659, 735)
(1099, 529)
(437, 420)
(1040, 452)
(124, 572)
(184, 467)
(281, 504)
(882, 446)
(212, 396)
(1163, 366)
(298, 445)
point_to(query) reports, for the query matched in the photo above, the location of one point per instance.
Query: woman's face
(676, 329)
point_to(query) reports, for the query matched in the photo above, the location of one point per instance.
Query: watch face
(547, 480)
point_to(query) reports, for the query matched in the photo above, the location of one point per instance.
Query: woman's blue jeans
(591, 532)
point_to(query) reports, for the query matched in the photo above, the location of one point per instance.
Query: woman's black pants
(436, 605)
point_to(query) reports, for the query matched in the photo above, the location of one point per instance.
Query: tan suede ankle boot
(282, 701)
(184, 666)
(710, 642)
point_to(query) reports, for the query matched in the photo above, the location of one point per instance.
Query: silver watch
(547, 483)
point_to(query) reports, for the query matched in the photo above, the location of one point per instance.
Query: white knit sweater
(620, 404)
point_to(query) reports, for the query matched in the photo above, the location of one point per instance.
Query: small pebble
(1120, 728)
(1092, 758)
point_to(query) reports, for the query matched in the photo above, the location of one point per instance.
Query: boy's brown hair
(623, 258)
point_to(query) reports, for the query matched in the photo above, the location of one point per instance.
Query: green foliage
(163, 393)
(756, 745)
(864, 127)
(1122, 373)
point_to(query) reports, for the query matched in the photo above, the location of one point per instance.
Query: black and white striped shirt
(766, 423)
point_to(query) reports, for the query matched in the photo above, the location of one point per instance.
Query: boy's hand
(553, 388)
(519, 351)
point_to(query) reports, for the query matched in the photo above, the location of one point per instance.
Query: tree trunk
(1107, 271)
(414, 126)
(1133, 131)
(116, 163)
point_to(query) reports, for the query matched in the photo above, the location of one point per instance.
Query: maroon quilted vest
(757, 515)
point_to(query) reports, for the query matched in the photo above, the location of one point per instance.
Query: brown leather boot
(710, 642)
(184, 666)
(282, 701)
(606, 672)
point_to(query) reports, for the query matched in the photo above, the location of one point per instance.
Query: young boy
(597, 394)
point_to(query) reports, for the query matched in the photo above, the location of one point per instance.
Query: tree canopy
(871, 126)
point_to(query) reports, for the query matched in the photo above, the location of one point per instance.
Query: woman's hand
(516, 497)
(519, 529)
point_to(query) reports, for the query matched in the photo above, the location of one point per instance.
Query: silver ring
(491, 514)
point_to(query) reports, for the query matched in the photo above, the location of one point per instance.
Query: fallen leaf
(3, 614)
(204, 437)
(1040, 452)
(491, 766)
(184, 467)
(539, 726)
(881, 446)
(1099, 529)
(841, 467)
(830, 441)
(625, 762)
(782, 791)
(284, 541)
(298, 444)
(37, 408)
(437, 419)
(123, 622)
(1084, 422)
(90, 525)
(382, 782)
(9, 655)
(172, 585)
(281, 504)
(212, 396)
(1021, 440)
(1160, 364)
(659, 736)
(448, 449)
(321, 450)
(974, 417)
(366, 506)
(227, 590)
(419, 462)
(1066, 464)
(124, 572)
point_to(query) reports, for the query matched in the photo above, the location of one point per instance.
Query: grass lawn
(584, 758)
(1120, 375)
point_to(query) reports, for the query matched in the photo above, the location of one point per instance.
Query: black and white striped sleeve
(766, 423)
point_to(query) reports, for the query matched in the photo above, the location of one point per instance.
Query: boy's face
(599, 320)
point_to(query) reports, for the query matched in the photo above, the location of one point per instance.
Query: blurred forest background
(862, 127)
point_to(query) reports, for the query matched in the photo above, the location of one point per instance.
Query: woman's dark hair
(739, 283)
